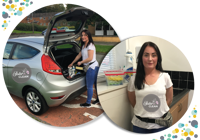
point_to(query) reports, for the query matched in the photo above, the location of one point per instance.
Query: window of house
(23, 52)
(44, 18)
(40, 17)
(7, 50)
(108, 63)
(44, 24)
(40, 23)
(108, 27)
(99, 26)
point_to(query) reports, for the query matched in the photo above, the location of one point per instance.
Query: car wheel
(35, 102)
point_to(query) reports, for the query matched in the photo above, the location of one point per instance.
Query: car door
(6, 58)
(74, 19)
(21, 54)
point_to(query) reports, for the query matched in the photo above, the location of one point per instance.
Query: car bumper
(57, 85)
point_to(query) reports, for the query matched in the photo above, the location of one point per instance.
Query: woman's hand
(70, 65)
(79, 63)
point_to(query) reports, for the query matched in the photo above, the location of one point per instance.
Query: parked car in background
(64, 29)
(54, 30)
(36, 68)
(44, 31)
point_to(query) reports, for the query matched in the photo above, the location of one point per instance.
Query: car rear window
(23, 52)
(62, 26)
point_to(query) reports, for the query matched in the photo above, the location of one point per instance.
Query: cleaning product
(69, 70)
(129, 60)
(73, 71)
(129, 66)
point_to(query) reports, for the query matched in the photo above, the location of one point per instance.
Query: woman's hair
(89, 38)
(140, 73)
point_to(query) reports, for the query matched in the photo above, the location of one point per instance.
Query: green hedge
(28, 27)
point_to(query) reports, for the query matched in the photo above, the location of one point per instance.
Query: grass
(99, 48)
(103, 48)
(27, 32)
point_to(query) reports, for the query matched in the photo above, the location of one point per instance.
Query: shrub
(24, 27)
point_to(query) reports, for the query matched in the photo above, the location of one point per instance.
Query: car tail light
(50, 66)
(59, 97)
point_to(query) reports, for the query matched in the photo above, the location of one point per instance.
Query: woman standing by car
(88, 53)
(150, 91)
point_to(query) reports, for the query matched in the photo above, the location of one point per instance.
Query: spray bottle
(73, 71)
(129, 65)
(129, 60)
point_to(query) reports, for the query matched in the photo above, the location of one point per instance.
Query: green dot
(169, 135)
(168, 139)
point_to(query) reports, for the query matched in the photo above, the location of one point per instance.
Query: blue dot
(195, 111)
(19, 13)
(3, 12)
(196, 126)
(2, 25)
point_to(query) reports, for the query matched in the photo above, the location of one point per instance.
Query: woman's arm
(169, 95)
(90, 57)
(76, 59)
(131, 98)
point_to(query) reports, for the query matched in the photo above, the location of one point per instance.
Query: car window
(22, 52)
(7, 50)
(66, 26)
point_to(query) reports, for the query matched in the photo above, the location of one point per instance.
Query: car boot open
(63, 54)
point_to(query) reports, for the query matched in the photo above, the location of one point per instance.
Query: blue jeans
(142, 130)
(91, 79)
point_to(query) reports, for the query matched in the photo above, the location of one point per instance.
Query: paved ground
(67, 114)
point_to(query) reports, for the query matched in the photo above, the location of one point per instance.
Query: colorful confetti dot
(7, 6)
(176, 130)
(186, 125)
(186, 134)
(191, 133)
(194, 116)
(169, 135)
(19, 13)
(4, 21)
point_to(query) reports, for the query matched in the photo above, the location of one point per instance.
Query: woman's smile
(149, 58)
(84, 37)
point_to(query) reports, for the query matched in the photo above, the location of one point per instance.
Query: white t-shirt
(150, 101)
(84, 53)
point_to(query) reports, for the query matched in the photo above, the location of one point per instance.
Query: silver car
(36, 68)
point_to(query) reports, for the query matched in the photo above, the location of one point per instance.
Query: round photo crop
(37, 74)
(146, 85)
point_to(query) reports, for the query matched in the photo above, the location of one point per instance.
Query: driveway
(67, 114)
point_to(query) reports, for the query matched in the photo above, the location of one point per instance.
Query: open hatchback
(60, 47)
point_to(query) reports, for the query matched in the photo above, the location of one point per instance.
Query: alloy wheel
(33, 101)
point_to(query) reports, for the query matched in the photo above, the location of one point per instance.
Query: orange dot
(194, 116)
(194, 108)
(191, 133)
(186, 125)
(4, 21)
(177, 130)
(186, 133)
(12, 6)
(15, 8)
(7, 6)
(11, 13)
(181, 130)
(20, 9)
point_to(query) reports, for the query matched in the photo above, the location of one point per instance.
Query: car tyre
(35, 102)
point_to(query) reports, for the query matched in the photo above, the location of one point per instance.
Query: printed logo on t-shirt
(151, 103)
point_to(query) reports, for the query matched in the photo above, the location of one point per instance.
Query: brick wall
(23, 19)
(43, 19)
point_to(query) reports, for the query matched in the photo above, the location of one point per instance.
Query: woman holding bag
(88, 53)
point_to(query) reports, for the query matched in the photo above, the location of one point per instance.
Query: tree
(69, 6)
(51, 8)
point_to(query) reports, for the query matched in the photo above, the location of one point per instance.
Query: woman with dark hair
(150, 90)
(88, 53)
